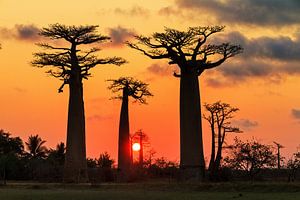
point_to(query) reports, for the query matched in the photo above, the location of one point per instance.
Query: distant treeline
(33, 161)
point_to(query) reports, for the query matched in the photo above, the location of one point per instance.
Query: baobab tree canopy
(63, 59)
(136, 89)
(72, 65)
(187, 49)
(126, 87)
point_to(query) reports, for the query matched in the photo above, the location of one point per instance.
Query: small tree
(218, 118)
(58, 154)
(126, 87)
(293, 166)
(250, 156)
(142, 139)
(105, 161)
(191, 53)
(35, 147)
(71, 65)
(11, 149)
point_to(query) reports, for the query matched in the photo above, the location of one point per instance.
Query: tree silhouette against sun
(126, 87)
(191, 53)
(71, 65)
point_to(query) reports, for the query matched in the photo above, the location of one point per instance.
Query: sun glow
(136, 147)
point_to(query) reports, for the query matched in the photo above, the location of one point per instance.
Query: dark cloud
(280, 48)
(160, 69)
(296, 113)
(260, 12)
(262, 57)
(21, 32)
(251, 68)
(134, 11)
(245, 124)
(119, 35)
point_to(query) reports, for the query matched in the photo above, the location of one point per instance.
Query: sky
(263, 82)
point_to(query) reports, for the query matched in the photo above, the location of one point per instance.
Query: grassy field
(152, 191)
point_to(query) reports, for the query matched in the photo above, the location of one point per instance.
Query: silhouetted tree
(11, 149)
(58, 154)
(142, 138)
(35, 147)
(72, 65)
(250, 156)
(189, 51)
(105, 161)
(279, 158)
(218, 118)
(293, 166)
(138, 90)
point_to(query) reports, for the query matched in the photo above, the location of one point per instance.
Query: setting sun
(136, 147)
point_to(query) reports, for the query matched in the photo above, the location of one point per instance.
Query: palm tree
(35, 147)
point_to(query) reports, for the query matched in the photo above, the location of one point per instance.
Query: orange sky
(263, 82)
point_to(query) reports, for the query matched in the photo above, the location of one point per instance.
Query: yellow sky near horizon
(30, 104)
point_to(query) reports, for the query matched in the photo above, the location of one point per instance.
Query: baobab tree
(71, 65)
(191, 53)
(279, 158)
(218, 117)
(127, 87)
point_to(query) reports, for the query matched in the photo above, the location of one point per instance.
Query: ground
(151, 191)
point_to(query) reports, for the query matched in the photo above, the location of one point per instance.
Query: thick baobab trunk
(192, 163)
(124, 150)
(75, 163)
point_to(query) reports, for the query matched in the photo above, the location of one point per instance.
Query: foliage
(136, 89)
(11, 149)
(187, 49)
(218, 117)
(35, 147)
(104, 161)
(65, 60)
(293, 165)
(250, 156)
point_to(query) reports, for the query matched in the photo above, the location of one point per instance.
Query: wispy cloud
(296, 113)
(97, 117)
(25, 32)
(245, 124)
(161, 69)
(119, 35)
(133, 11)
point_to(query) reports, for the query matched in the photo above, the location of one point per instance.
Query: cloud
(167, 11)
(134, 11)
(245, 124)
(20, 90)
(119, 35)
(28, 32)
(263, 57)
(216, 82)
(296, 113)
(259, 12)
(97, 117)
(280, 48)
(161, 69)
